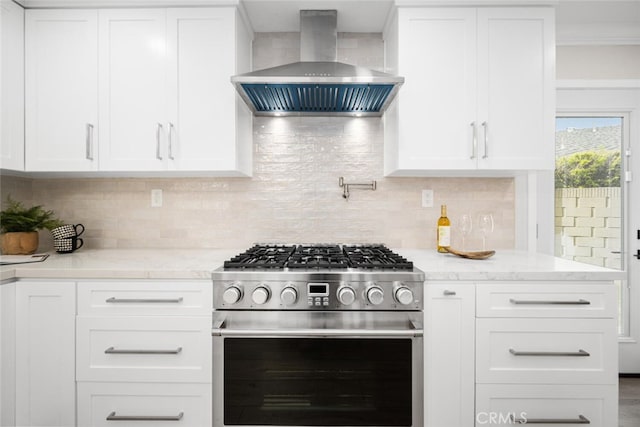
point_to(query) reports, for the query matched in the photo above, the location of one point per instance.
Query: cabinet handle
(158, 152)
(580, 420)
(448, 293)
(486, 140)
(579, 353)
(89, 142)
(144, 300)
(474, 141)
(112, 350)
(534, 302)
(171, 127)
(113, 417)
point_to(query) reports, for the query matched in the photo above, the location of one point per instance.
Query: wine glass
(465, 227)
(485, 226)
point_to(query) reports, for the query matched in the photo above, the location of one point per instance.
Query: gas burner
(322, 256)
(261, 257)
(375, 257)
(318, 256)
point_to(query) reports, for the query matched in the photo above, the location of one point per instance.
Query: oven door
(317, 369)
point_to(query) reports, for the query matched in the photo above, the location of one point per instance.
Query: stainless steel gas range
(318, 335)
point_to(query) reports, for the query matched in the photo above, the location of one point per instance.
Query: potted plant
(20, 226)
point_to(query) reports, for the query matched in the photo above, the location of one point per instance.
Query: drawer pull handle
(113, 417)
(112, 350)
(534, 302)
(579, 353)
(144, 300)
(449, 293)
(580, 420)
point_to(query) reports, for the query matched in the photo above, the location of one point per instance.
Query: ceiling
(577, 21)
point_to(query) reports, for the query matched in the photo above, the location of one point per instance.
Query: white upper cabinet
(11, 86)
(166, 102)
(478, 92)
(137, 90)
(133, 93)
(61, 90)
(516, 88)
(205, 129)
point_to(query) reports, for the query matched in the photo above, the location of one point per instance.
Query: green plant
(17, 217)
(588, 169)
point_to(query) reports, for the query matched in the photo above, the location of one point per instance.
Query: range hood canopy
(318, 85)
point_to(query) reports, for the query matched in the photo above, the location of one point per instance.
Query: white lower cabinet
(7, 354)
(449, 355)
(510, 353)
(546, 353)
(153, 349)
(144, 353)
(143, 404)
(45, 353)
(548, 405)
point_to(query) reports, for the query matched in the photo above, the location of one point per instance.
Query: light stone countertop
(124, 264)
(507, 265)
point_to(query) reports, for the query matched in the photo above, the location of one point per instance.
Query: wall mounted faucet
(346, 186)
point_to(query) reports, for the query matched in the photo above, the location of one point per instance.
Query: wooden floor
(629, 406)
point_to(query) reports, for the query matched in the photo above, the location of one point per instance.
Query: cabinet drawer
(180, 298)
(546, 351)
(546, 300)
(154, 349)
(179, 404)
(498, 404)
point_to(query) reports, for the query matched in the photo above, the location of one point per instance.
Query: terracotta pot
(20, 243)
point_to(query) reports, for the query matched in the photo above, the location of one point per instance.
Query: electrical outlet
(427, 198)
(156, 198)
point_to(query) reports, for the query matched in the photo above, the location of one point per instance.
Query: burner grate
(375, 257)
(278, 257)
(318, 256)
(261, 257)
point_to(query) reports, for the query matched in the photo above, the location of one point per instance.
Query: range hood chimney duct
(318, 85)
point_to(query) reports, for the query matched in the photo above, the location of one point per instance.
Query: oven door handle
(219, 329)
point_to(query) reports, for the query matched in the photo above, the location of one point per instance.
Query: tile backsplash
(294, 194)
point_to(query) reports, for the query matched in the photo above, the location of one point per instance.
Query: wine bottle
(444, 230)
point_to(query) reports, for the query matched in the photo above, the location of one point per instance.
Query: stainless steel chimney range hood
(318, 85)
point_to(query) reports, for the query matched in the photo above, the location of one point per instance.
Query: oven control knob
(289, 295)
(375, 295)
(404, 296)
(231, 295)
(346, 295)
(260, 295)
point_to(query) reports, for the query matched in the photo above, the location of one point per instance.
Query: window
(589, 193)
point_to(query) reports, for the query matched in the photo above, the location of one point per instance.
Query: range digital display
(318, 289)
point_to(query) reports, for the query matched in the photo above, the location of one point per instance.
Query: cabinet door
(144, 348)
(7, 354)
(546, 351)
(132, 89)
(509, 405)
(201, 54)
(438, 100)
(45, 354)
(100, 404)
(11, 85)
(449, 355)
(61, 90)
(516, 91)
